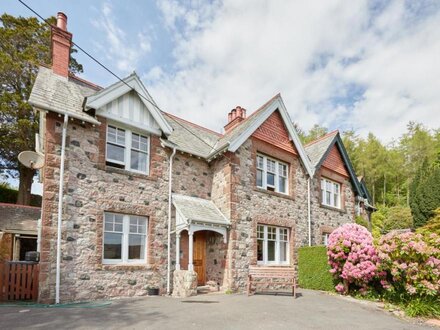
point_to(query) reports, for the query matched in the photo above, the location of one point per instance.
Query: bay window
(127, 150)
(272, 174)
(272, 245)
(124, 239)
(331, 193)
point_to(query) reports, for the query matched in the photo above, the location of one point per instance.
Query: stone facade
(92, 187)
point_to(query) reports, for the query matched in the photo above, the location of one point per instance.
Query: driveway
(313, 310)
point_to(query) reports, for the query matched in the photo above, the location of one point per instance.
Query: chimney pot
(236, 116)
(62, 21)
(233, 114)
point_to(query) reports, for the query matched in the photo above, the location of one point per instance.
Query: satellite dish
(31, 159)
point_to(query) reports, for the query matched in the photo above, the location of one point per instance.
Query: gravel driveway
(312, 310)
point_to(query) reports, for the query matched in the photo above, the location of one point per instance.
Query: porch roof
(195, 210)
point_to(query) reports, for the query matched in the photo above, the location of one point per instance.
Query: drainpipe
(308, 212)
(60, 211)
(170, 179)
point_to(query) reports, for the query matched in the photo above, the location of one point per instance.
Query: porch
(201, 237)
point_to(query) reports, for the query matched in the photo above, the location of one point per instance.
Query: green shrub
(361, 221)
(9, 195)
(313, 269)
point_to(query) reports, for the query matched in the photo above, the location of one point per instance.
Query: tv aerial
(31, 159)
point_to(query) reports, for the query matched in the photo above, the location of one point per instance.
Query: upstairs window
(124, 238)
(127, 150)
(331, 193)
(272, 174)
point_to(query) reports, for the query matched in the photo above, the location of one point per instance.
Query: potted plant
(152, 290)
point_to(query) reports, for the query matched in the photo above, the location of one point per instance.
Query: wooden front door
(199, 258)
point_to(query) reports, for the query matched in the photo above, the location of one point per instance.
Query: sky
(371, 66)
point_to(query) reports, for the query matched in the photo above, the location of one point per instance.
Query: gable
(129, 109)
(274, 132)
(334, 161)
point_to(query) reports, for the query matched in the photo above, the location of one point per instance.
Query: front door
(199, 258)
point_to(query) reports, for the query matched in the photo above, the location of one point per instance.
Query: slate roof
(19, 218)
(190, 137)
(235, 132)
(59, 94)
(317, 149)
(200, 210)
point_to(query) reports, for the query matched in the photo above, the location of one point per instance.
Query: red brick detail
(334, 162)
(61, 42)
(273, 131)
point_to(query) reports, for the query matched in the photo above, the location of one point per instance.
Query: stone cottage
(147, 198)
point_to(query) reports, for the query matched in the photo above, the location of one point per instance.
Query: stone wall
(185, 283)
(91, 188)
(324, 218)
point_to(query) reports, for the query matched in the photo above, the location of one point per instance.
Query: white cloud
(118, 47)
(314, 53)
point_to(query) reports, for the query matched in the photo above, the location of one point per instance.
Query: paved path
(313, 310)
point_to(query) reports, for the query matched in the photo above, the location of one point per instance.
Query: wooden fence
(18, 280)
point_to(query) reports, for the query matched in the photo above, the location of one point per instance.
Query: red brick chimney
(61, 42)
(235, 117)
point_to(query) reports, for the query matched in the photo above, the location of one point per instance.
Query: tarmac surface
(312, 310)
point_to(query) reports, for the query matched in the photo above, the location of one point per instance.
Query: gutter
(60, 211)
(309, 218)
(170, 185)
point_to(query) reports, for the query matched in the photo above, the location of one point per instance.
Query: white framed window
(325, 237)
(124, 239)
(331, 193)
(272, 245)
(127, 149)
(272, 174)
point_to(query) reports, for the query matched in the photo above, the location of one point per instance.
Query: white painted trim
(120, 88)
(276, 104)
(80, 116)
(124, 122)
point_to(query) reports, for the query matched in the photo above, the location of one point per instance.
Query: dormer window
(127, 149)
(272, 174)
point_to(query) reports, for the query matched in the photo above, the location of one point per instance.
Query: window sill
(132, 174)
(128, 266)
(274, 265)
(333, 208)
(273, 193)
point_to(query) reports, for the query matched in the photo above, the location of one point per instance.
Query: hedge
(8, 195)
(313, 269)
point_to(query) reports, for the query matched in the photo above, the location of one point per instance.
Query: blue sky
(364, 65)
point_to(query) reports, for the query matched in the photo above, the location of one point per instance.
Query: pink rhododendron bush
(353, 258)
(411, 264)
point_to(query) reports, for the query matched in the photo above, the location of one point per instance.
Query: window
(272, 245)
(127, 150)
(331, 193)
(271, 174)
(325, 237)
(124, 238)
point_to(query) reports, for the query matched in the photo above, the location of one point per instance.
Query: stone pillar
(190, 252)
(184, 283)
(178, 251)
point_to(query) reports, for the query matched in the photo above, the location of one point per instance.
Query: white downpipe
(308, 212)
(60, 211)
(170, 186)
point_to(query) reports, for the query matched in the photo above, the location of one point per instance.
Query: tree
(397, 217)
(24, 45)
(315, 133)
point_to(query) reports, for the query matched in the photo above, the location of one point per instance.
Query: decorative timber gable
(273, 131)
(334, 162)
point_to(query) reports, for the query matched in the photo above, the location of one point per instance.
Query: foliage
(410, 263)
(313, 268)
(361, 221)
(352, 258)
(314, 133)
(425, 193)
(9, 195)
(24, 45)
(432, 226)
(424, 307)
(377, 221)
(397, 217)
